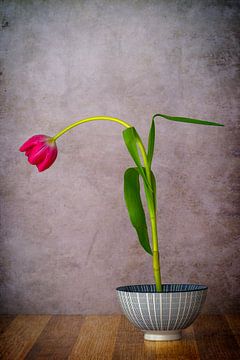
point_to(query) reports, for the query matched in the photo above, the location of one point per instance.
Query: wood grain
(130, 343)
(20, 336)
(5, 320)
(186, 348)
(75, 337)
(57, 339)
(215, 339)
(234, 323)
(96, 339)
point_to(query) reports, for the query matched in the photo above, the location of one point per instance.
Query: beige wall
(66, 241)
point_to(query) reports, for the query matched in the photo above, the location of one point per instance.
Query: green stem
(95, 118)
(150, 202)
(153, 220)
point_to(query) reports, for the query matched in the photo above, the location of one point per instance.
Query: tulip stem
(150, 201)
(95, 118)
(153, 221)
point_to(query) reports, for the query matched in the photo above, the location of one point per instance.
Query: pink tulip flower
(41, 151)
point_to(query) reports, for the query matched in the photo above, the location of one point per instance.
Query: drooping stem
(153, 221)
(95, 118)
(150, 200)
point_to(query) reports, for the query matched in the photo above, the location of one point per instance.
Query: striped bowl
(162, 315)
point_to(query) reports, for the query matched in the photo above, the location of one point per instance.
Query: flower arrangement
(41, 151)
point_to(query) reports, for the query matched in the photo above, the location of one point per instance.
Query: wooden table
(211, 337)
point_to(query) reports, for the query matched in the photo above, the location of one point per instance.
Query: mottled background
(66, 240)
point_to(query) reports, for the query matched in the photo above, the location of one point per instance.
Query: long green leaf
(151, 141)
(188, 120)
(135, 208)
(130, 137)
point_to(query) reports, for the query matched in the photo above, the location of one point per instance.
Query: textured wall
(66, 241)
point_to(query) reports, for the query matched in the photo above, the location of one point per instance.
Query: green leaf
(151, 141)
(188, 120)
(131, 137)
(135, 208)
(151, 195)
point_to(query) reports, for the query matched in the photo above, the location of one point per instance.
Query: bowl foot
(165, 335)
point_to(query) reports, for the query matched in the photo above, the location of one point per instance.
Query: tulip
(41, 151)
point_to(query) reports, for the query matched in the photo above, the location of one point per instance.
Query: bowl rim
(127, 288)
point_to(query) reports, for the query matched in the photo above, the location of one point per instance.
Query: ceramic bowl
(162, 316)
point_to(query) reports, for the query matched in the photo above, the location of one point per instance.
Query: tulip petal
(28, 152)
(34, 140)
(41, 151)
(37, 154)
(49, 159)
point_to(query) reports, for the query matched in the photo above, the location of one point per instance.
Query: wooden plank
(184, 349)
(130, 343)
(96, 339)
(57, 338)
(70, 337)
(20, 335)
(234, 323)
(5, 320)
(215, 339)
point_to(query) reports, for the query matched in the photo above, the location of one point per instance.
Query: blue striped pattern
(174, 308)
(151, 288)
